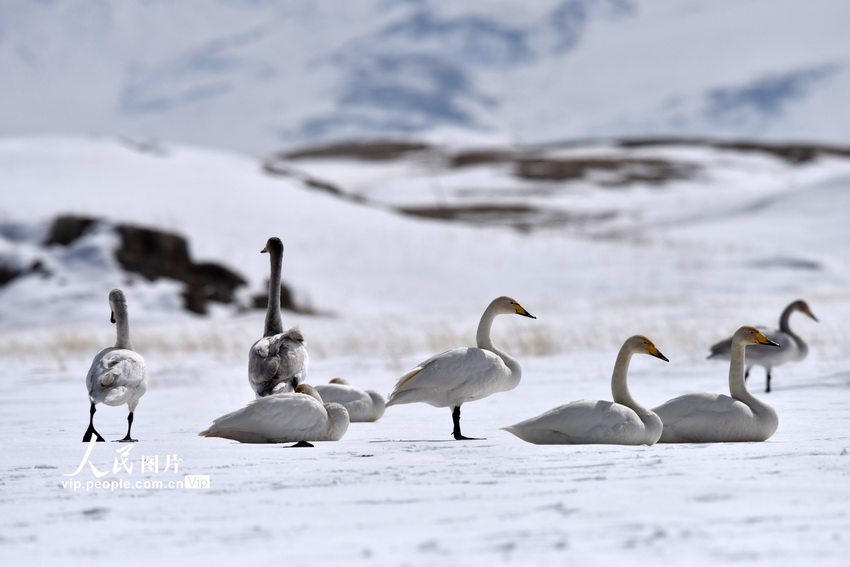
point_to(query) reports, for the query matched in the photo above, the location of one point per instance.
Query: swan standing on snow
(362, 405)
(621, 422)
(791, 347)
(277, 363)
(715, 418)
(298, 416)
(117, 375)
(463, 374)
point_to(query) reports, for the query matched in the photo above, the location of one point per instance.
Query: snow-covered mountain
(257, 75)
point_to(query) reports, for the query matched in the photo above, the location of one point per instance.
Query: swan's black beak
(112, 317)
(658, 354)
(771, 343)
(264, 250)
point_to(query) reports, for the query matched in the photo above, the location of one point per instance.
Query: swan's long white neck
(274, 322)
(620, 386)
(737, 383)
(484, 341)
(122, 327)
(785, 327)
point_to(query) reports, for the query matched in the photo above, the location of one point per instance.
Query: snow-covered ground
(686, 265)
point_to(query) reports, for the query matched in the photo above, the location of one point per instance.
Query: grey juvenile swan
(791, 347)
(277, 363)
(463, 375)
(621, 422)
(117, 375)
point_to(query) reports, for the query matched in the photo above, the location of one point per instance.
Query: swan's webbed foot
(459, 437)
(301, 444)
(88, 435)
(126, 439)
(91, 430)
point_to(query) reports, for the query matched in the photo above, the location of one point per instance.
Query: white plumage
(278, 362)
(117, 374)
(461, 375)
(715, 418)
(621, 422)
(362, 405)
(792, 348)
(283, 418)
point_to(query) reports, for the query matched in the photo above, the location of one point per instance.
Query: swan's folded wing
(342, 394)
(280, 417)
(582, 421)
(464, 372)
(277, 358)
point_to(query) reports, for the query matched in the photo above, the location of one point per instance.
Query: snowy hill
(256, 76)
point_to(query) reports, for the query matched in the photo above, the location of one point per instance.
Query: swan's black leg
(746, 373)
(456, 431)
(91, 430)
(301, 444)
(127, 437)
(767, 388)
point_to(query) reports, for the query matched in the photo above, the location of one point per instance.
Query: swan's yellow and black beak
(653, 350)
(520, 310)
(264, 250)
(763, 340)
(808, 312)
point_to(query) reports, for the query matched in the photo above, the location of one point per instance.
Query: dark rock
(67, 228)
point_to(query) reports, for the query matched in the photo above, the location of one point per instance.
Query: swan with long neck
(362, 405)
(792, 348)
(621, 422)
(298, 416)
(461, 375)
(716, 418)
(278, 362)
(117, 374)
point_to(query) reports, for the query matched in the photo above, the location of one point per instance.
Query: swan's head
(342, 381)
(273, 245)
(642, 345)
(309, 390)
(117, 301)
(508, 305)
(752, 336)
(803, 307)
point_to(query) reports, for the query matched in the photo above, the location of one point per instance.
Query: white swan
(463, 374)
(277, 363)
(791, 347)
(117, 374)
(621, 422)
(362, 405)
(283, 418)
(714, 418)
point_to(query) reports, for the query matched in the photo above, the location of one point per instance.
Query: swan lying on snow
(714, 418)
(622, 422)
(461, 375)
(791, 347)
(117, 375)
(277, 363)
(362, 405)
(283, 418)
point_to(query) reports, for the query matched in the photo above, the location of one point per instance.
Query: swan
(715, 418)
(791, 347)
(621, 422)
(277, 363)
(463, 375)
(362, 405)
(283, 418)
(117, 374)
